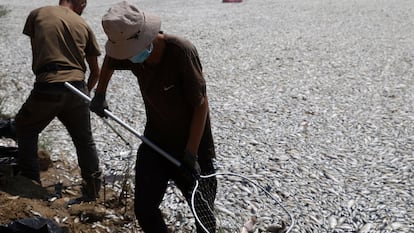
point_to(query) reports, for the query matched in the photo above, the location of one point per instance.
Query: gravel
(315, 98)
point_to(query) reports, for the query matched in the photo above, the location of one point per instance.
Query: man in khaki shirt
(61, 41)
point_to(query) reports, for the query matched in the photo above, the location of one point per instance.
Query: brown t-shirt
(60, 36)
(171, 90)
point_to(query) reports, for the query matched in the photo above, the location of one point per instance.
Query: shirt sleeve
(29, 25)
(92, 47)
(194, 84)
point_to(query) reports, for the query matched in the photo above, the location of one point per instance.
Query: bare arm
(197, 127)
(94, 74)
(105, 76)
(94, 71)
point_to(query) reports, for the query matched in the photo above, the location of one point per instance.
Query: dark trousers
(47, 101)
(152, 174)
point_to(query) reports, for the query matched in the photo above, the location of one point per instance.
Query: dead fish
(249, 225)
(333, 222)
(276, 228)
(225, 211)
(13, 197)
(36, 213)
(366, 228)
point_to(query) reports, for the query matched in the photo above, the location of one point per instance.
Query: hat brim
(132, 47)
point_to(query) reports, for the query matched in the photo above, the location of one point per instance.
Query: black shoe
(30, 177)
(80, 200)
(91, 188)
(57, 194)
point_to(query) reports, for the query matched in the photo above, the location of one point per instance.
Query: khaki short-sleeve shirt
(60, 36)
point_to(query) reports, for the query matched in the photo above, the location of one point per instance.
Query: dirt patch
(21, 198)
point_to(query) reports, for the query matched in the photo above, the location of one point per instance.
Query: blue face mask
(142, 56)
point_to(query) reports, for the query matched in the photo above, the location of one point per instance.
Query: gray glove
(99, 104)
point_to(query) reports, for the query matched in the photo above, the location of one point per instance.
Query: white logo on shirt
(168, 88)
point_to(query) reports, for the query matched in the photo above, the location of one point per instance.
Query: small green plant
(3, 11)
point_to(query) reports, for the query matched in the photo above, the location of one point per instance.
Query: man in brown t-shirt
(61, 40)
(169, 74)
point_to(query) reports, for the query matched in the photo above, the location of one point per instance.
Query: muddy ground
(21, 198)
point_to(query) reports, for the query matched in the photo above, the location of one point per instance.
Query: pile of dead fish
(311, 99)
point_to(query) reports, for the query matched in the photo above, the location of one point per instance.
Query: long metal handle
(126, 126)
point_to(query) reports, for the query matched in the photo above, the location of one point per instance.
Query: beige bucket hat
(129, 30)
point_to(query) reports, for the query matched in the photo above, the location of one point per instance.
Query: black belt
(52, 68)
(58, 85)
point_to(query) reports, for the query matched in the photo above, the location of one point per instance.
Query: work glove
(190, 165)
(99, 104)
